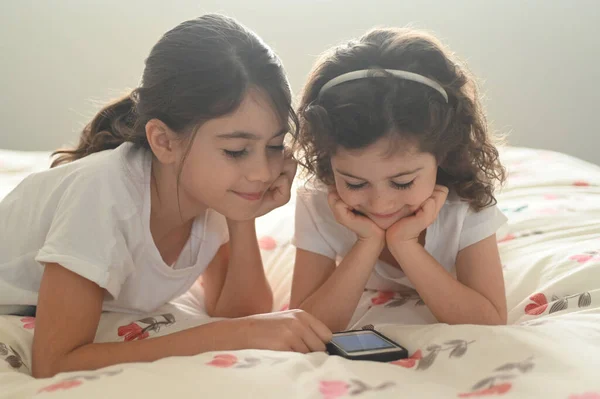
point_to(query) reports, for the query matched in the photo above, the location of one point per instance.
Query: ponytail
(111, 127)
(199, 70)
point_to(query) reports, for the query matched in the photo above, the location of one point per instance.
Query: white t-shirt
(456, 227)
(92, 216)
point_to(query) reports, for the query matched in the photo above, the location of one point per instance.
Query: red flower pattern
(63, 385)
(409, 362)
(28, 322)
(551, 196)
(507, 237)
(586, 257)
(333, 389)
(267, 243)
(587, 395)
(224, 360)
(382, 297)
(132, 331)
(539, 306)
(581, 183)
(499, 389)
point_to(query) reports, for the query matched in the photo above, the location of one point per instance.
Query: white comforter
(551, 349)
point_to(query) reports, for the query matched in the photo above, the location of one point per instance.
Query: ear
(162, 141)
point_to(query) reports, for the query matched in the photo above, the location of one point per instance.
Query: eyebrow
(408, 172)
(247, 135)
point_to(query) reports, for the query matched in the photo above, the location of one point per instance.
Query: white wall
(59, 60)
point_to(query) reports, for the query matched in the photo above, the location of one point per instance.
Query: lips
(250, 196)
(384, 215)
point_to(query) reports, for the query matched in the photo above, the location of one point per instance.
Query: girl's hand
(280, 191)
(291, 331)
(408, 229)
(364, 227)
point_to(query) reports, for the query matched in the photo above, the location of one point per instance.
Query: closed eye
(355, 186)
(235, 154)
(276, 147)
(404, 186)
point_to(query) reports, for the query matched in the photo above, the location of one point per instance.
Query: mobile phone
(365, 345)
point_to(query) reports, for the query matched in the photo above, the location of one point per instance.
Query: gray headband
(373, 73)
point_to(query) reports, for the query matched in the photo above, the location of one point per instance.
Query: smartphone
(365, 345)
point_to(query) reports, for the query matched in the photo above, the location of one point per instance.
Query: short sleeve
(306, 234)
(86, 234)
(480, 225)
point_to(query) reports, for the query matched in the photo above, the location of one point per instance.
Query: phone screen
(361, 342)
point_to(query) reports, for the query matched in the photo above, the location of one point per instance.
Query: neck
(171, 208)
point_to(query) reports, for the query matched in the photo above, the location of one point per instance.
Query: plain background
(537, 59)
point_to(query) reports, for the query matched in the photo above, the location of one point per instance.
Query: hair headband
(377, 73)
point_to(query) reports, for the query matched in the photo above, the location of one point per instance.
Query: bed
(550, 349)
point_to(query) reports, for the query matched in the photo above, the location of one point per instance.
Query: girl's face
(385, 187)
(234, 159)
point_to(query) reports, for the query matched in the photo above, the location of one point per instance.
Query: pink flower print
(382, 297)
(284, 307)
(333, 389)
(586, 257)
(28, 323)
(409, 362)
(551, 197)
(507, 237)
(587, 395)
(132, 331)
(581, 183)
(267, 243)
(224, 360)
(63, 385)
(499, 389)
(548, 211)
(539, 306)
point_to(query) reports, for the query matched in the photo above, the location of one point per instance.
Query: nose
(259, 170)
(381, 203)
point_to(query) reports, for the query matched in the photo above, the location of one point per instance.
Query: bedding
(551, 348)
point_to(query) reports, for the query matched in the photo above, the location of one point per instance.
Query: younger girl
(163, 187)
(403, 171)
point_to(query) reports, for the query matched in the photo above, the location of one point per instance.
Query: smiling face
(234, 159)
(385, 187)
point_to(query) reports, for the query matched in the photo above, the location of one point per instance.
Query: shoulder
(312, 197)
(460, 211)
(112, 180)
(123, 171)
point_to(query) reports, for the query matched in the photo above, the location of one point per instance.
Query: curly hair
(356, 114)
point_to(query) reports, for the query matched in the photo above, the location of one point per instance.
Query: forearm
(335, 301)
(214, 336)
(449, 300)
(245, 289)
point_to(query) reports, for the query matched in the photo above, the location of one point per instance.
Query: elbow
(502, 318)
(40, 374)
(265, 305)
(498, 318)
(244, 308)
(43, 369)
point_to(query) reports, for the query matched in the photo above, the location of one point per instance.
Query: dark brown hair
(356, 114)
(199, 70)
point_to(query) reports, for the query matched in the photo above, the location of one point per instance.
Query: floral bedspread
(550, 349)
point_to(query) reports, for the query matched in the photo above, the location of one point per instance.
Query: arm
(69, 308)
(235, 284)
(476, 297)
(331, 293)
